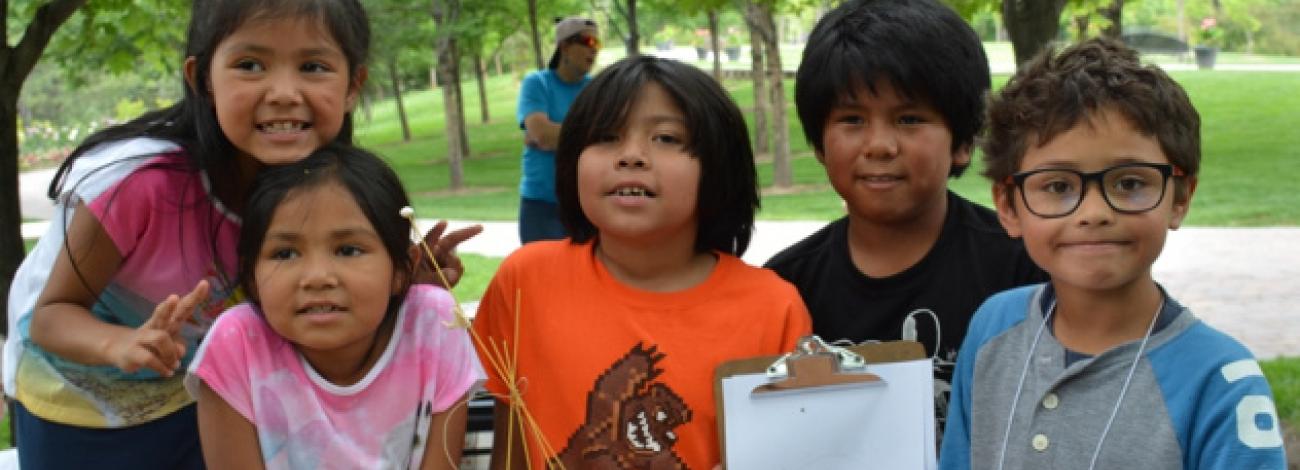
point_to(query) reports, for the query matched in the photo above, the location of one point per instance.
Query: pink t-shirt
(171, 233)
(304, 421)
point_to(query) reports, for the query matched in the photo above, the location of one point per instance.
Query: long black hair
(728, 186)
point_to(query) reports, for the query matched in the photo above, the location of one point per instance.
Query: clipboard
(828, 407)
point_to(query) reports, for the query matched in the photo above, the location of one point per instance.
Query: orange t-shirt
(618, 377)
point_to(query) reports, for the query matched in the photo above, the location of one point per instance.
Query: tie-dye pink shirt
(304, 421)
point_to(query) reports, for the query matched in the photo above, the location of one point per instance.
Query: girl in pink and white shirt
(338, 362)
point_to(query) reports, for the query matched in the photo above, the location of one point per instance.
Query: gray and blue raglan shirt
(1197, 398)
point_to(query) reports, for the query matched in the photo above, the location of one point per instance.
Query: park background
(444, 77)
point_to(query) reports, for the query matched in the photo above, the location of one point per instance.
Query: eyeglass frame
(1166, 170)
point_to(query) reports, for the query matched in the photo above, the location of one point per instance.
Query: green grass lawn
(1284, 375)
(1248, 141)
(478, 272)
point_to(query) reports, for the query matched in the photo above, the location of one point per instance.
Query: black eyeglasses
(1131, 188)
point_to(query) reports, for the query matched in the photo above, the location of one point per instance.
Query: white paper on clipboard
(886, 426)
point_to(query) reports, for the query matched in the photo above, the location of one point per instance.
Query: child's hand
(444, 250)
(157, 344)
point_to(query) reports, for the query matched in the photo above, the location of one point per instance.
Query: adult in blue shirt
(544, 100)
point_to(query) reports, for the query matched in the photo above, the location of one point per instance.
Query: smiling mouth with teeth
(284, 126)
(633, 191)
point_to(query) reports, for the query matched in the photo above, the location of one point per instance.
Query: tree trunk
(713, 42)
(537, 38)
(482, 88)
(1081, 26)
(756, 70)
(1032, 25)
(460, 112)
(1114, 13)
(445, 13)
(11, 236)
(393, 77)
(782, 174)
(15, 64)
(633, 32)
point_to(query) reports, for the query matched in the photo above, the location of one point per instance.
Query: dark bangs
(719, 139)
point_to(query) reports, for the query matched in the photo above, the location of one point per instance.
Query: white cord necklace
(1011, 415)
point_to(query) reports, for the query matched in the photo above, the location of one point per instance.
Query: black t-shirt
(972, 259)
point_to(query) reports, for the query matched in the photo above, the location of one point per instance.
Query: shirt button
(1040, 442)
(1051, 401)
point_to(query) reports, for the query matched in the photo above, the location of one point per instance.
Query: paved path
(31, 193)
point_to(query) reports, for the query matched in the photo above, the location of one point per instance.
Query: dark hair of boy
(192, 122)
(929, 56)
(375, 187)
(923, 48)
(1055, 92)
(728, 187)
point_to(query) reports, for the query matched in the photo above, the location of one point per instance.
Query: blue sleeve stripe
(1218, 400)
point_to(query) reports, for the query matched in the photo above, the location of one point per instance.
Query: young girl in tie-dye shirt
(338, 362)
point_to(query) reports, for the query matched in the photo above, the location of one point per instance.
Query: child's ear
(191, 70)
(354, 88)
(1003, 195)
(400, 278)
(1181, 206)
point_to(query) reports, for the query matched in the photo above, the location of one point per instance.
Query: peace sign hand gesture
(157, 344)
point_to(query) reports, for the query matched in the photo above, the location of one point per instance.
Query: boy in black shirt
(891, 96)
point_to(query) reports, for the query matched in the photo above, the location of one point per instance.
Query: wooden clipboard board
(808, 371)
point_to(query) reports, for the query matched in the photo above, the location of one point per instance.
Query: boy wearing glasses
(544, 100)
(1094, 157)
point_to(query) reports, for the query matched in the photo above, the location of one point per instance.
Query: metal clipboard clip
(814, 363)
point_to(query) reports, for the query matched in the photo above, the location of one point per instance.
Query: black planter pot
(733, 53)
(1205, 56)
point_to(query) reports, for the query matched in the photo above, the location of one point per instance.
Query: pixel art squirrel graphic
(630, 420)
